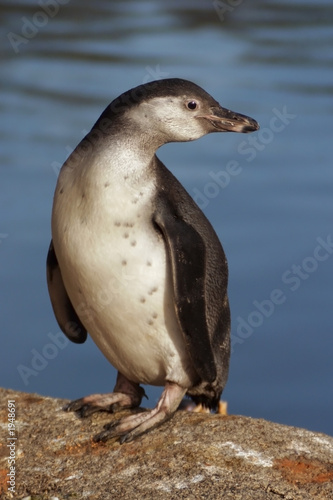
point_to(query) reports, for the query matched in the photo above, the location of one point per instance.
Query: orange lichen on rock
(71, 449)
(3, 480)
(303, 471)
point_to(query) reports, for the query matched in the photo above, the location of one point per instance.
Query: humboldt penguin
(135, 262)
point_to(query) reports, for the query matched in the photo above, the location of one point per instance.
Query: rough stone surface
(192, 456)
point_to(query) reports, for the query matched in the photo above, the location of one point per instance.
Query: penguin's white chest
(116, 272)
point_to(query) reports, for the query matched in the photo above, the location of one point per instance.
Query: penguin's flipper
(65, 314)
(186, 251)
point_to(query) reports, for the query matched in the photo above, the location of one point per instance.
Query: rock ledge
(192, 456)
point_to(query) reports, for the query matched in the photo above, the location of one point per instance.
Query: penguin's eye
(191, 105)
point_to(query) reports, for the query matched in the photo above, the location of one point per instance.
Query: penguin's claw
(126, 394)
(134, 425)
(111, 403)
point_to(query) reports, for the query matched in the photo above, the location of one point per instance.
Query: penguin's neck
(122, 158)
(128, 151)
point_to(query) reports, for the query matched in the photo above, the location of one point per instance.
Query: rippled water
(62, 62)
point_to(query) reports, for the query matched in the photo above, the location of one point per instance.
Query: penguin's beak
(225, 120)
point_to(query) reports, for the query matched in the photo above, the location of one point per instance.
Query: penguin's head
(175, 110)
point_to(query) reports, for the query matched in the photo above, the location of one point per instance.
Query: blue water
(269, 195)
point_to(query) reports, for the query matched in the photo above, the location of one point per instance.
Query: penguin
(135, 262)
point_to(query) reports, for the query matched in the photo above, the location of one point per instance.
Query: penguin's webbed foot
(126, 394)
(100, 402)
(133, 426)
